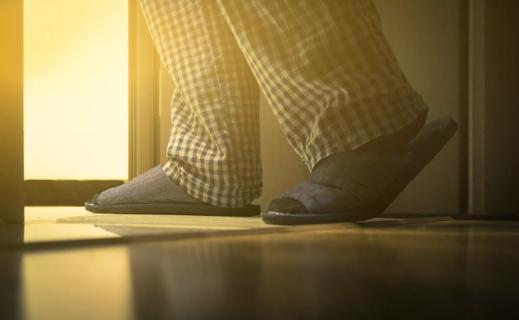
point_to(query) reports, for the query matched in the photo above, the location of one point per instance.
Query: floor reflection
(11, 276)
(203, 279)
(77, 284)
(364, 274)
(429, 271)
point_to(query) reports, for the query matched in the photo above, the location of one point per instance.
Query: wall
(501, 110)
(426, 37)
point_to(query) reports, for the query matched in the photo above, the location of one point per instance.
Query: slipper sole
(424, 147)
(174, 209)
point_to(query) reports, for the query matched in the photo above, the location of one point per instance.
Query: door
(76, 97)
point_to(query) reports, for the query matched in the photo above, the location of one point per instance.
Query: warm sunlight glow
(76, 92)
(86, 281)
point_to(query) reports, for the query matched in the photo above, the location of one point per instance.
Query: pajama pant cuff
(343, 145)
(220, 196)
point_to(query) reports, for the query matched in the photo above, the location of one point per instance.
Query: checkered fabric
(324, 66)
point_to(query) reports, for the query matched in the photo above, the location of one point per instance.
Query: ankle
(396, 141)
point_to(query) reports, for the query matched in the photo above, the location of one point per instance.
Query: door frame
(144, 131)
(11, 111)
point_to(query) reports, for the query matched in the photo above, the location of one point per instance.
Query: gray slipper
(370, 183)
(155, 193)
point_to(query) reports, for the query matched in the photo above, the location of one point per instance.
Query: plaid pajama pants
(324, 66)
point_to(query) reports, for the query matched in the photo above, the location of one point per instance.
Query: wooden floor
(117, 267)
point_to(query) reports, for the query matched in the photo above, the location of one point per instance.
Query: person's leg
(213, 152)
(335, 86)
(326, 70)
